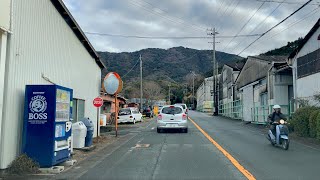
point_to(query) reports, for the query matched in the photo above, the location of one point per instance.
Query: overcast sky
(189, 18)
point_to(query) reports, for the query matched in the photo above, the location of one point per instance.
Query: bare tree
(152, 90)
(198, 79)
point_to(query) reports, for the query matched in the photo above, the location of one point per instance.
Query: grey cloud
(129, 18)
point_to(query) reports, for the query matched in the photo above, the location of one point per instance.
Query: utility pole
(193, 74)
(141, 94)
(212, 32)
(169, 95)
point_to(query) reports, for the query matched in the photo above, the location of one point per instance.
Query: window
(78, 109)
(172, 110)
(123, 112)
(263, 99)
(308, 64)
(135, 112)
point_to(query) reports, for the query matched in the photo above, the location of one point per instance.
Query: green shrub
(300, 120)
(318, 126)
(313, 123)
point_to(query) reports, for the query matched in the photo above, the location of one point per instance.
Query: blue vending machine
(47, 124)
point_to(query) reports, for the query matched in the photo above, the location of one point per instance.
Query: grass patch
(23, 165)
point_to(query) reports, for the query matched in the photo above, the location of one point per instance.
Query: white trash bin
(103, 118)
(79, 133)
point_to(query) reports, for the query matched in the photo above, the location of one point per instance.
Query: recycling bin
(79, 133)
(90, 128)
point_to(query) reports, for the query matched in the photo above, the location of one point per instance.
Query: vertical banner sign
(112, 84)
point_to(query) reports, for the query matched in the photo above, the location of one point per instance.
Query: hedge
(313, 123)
(318, 126)
(300, 120)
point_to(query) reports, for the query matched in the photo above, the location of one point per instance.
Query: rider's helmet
(276, 107)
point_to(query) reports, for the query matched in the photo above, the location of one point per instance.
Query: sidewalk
(105, 143)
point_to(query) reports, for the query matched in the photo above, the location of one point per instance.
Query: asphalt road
(174, 155)
(250, 147)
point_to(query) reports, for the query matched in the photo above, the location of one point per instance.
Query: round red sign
(98, 102)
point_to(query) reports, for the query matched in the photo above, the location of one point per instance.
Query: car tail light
(159, 117)
(171, 106)
(184, 117)
(130, 117)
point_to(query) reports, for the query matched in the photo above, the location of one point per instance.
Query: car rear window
(135, 112)
(171, 110)
(123, 112)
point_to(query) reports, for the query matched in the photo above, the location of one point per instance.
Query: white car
(172, 117)
(184, 106)
(131, 115)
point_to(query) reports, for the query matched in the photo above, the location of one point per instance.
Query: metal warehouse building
(41, 43)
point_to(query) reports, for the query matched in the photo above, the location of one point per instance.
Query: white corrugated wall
(5, 14)
(247, 102)
(42, 42)
(308, 86)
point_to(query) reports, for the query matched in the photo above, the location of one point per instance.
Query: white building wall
(247, 100)
(307, 86)
(281, 89)
(200, 96)
(43, 43)
(5, 14)
(204, 98)
(3, 52)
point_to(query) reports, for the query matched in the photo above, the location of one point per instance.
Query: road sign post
(98, 102)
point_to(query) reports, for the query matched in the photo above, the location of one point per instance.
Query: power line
(245, 25)
(167, 37)
(192, 24)
(234, 7)
(288, 2)
(182, 22)
(267, 17)
(311, 13)
(275, 26)
(131, 69)
(261, 22)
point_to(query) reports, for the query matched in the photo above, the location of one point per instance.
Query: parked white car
(131, 115)
(172, 117)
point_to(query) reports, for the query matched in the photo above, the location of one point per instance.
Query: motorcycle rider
(276, 116)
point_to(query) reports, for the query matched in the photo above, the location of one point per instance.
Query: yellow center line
(245, 172)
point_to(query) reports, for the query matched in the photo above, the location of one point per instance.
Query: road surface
(238, 148)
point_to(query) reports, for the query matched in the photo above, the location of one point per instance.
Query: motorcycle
(282, 135)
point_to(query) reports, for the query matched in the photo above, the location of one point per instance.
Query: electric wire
(263, 34)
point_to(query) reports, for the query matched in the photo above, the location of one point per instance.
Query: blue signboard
(47, 124)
